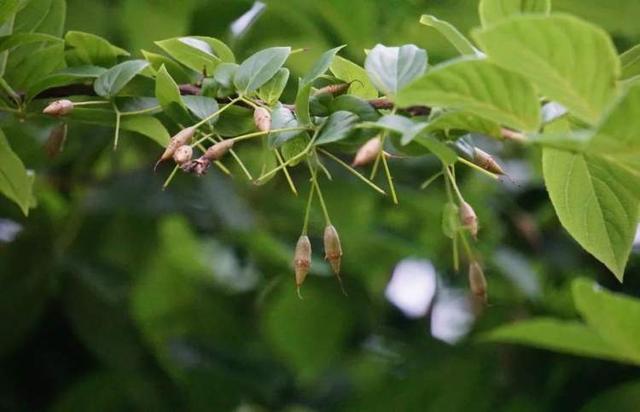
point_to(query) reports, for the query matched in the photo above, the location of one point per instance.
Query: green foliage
(494, 11)
(15, 182)
(392, 68)
(111, 82)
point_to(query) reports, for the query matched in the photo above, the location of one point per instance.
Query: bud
(477, 282)
(332, 248)
(302, 260)
(183, 154)
(486, 161)
(59, 108)
(367, 152)
(469, 219)
(180, 139)
(218, 150)
(262, 119)
(55, 142)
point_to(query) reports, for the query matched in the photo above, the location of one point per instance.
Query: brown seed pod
(477, 282)
(332, 248)
(56, 140)
(486, 161)
(198, 166)
(262, 119)
(183, 154)
(180, 139)
(59, 108)
(469, 219)
(334, 89)
(367, 152)
(302, 260)
(218, 150)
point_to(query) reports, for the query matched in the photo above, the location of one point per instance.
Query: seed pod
(56, 140)
(302, 260)
(367, 152)
(183, 154)
(198, 166)
(180, 139)
(59, 108)
(334, 89)
(486, 161)
(262, 119)
(332, 248)
(469, 219)
(218, 150)
(477, 282)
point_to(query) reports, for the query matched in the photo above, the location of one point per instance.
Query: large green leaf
(147, 126)
(89, 49)
(479, 87)
(168, 95)
(197, 52)
(571, 61)
(15, 182)
(202, 107)
(259, 68)
(36, 66)
(457, 39)
(392, 68)
(113, 80)
(562, 336)
(493, 11)
(614, 316)
(271, 91)
(322, 65)
(71, 75)
(630, 63)
(282, 118)
(350, 72)
(176, 71)
(7, 9)
(337, 127)
(20, 39)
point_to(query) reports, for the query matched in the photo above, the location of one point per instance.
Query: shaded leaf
(493, 11)
(350, 72)
(113, 80)
(457, 39)
(89, 49)
(15, 182)
(337, 127)
(259, 68)
(271, 91)
(392, 68)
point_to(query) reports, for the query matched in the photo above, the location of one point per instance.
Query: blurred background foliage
(117, 296)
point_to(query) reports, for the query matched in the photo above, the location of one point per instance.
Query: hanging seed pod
(486, 161)
(302, 260)
(56, 140)
(367, 152)
(180, 139)
(59, 108)
(469, 219)
(198, 166)
(262, 119)
(183, 154)
(218, 150)
(477, 282)
(332, 248)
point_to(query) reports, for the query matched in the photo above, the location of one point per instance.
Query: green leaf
(353, 104)
(392, 68)
(622, 398)
(336, 127)
(450, 220)
(197, 52)
(223, 79)
(7, 9)
(36, 66)
(147, 126)
(544, 49)
(614, 316)
(464, 121)
(630, 63)
(15, 182)
(282, 118)
(494, 11)
(439, 149)
(89, 49)
(350, 72)
(259, 68)
(479, 87)
(563, 336)
(457, 39)
(113, 80)
(596, 201)
(168, 95)
(202, 106)
(71, 75)
(20, 39)
(176, 71)
(321, 65)
(271, 91)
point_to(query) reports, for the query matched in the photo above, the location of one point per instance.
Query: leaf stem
(353, 171)
(142, 111)
(314, 181)
(431, 180)
(452, 179)
(117, 132)
(392, 188)
(291, 160)
(286, 172)
(216, 113)
(307, 212)
(478, 168)
(170, 178)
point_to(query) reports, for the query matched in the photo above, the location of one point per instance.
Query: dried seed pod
(218, 150)
(367, 152)
(183, 154)
(198, 167)
(59, 108)
(477, 282)
(469, 219)
(262, 119)
(180, 139)
(56, 140)
(302, 260)
(332, 248)
(334, 89)
(486, 161)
